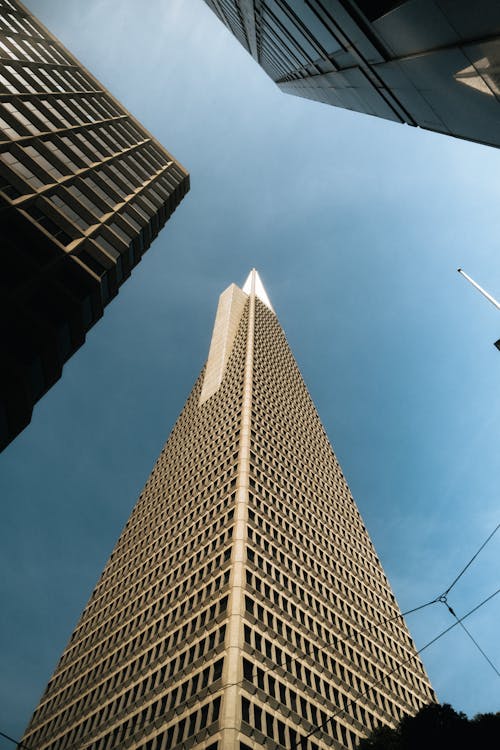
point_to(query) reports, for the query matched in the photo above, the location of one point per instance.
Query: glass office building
(243, 606)
(428, 63)
(84, 190)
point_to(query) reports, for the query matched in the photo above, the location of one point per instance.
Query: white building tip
(260, 292)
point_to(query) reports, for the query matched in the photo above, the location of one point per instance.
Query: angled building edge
(243, 606)
(428, 63)
(84, 191)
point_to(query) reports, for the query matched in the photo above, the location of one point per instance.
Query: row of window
(363, 568)
(48, 161)
(156, 623)
(323, 612)
(327, 497)
(159, 600)
(325, 618)
(98, 252)
(190, 481)
(350, 653)
(149, 647)
(203, 542)
(37, 51)
(87, 715)
(204, 616)
(138, 579)
(108, 588)
(155, 569)
(259, 723)
(270, 686)
(309, 32)
(353, 573)
(293, 634)
(306, 489)
(148, 550)
(196, 723)
(221, 440)
(196, 479)
(133, 617)
(22, 79)
(12, 20)
(357, 640)
(171, 510)
(188, 524)
(40, 115)
(232, 18)
(164, 496)
(316, 472)
(157, 553)
(314, 452)
(338, 574)
(193, 430)
(277, 406)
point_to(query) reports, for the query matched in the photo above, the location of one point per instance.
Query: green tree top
(438, 727)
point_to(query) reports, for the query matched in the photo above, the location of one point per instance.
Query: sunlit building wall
(244, 606)
(430, 63)
(84, 190)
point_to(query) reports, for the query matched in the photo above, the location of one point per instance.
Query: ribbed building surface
(84, 190)
(431, 63)
(243, 606)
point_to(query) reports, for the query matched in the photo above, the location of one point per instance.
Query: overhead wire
(340, 711)
(16, 742)
(452, 584)
(459, 621)
(469, 634)
(444, 600)
(357, 633)
(479, 648)
(441, 598)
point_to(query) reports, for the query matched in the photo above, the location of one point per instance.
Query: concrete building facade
(243, 606)
(84, 190)
(428, 63)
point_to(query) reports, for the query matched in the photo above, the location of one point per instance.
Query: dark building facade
(430, 63)
(244, 606)
(84, 190)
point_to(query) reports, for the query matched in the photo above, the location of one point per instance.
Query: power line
(445, 593)
(396, 669)
(480, 649)
(357, 633)
(476, 644)
(11, 739)
(441, 598)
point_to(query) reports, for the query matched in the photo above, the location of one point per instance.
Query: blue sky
(357, 227)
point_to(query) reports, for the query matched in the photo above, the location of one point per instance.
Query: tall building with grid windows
(428, 63)
(84, 190)
(243, 606)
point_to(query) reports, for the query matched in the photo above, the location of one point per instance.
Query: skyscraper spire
(243, 606)
(254, 279)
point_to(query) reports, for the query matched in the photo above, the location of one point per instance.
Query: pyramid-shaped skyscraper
(244, 606)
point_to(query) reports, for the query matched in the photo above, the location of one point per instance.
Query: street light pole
(484, 293)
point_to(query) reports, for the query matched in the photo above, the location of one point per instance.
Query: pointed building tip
(254, 283)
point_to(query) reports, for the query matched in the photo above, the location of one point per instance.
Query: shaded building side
(430, 63)
(84, 190)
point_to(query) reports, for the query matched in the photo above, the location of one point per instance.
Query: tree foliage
(437, 727)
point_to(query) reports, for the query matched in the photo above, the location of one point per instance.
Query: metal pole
(480, 289)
